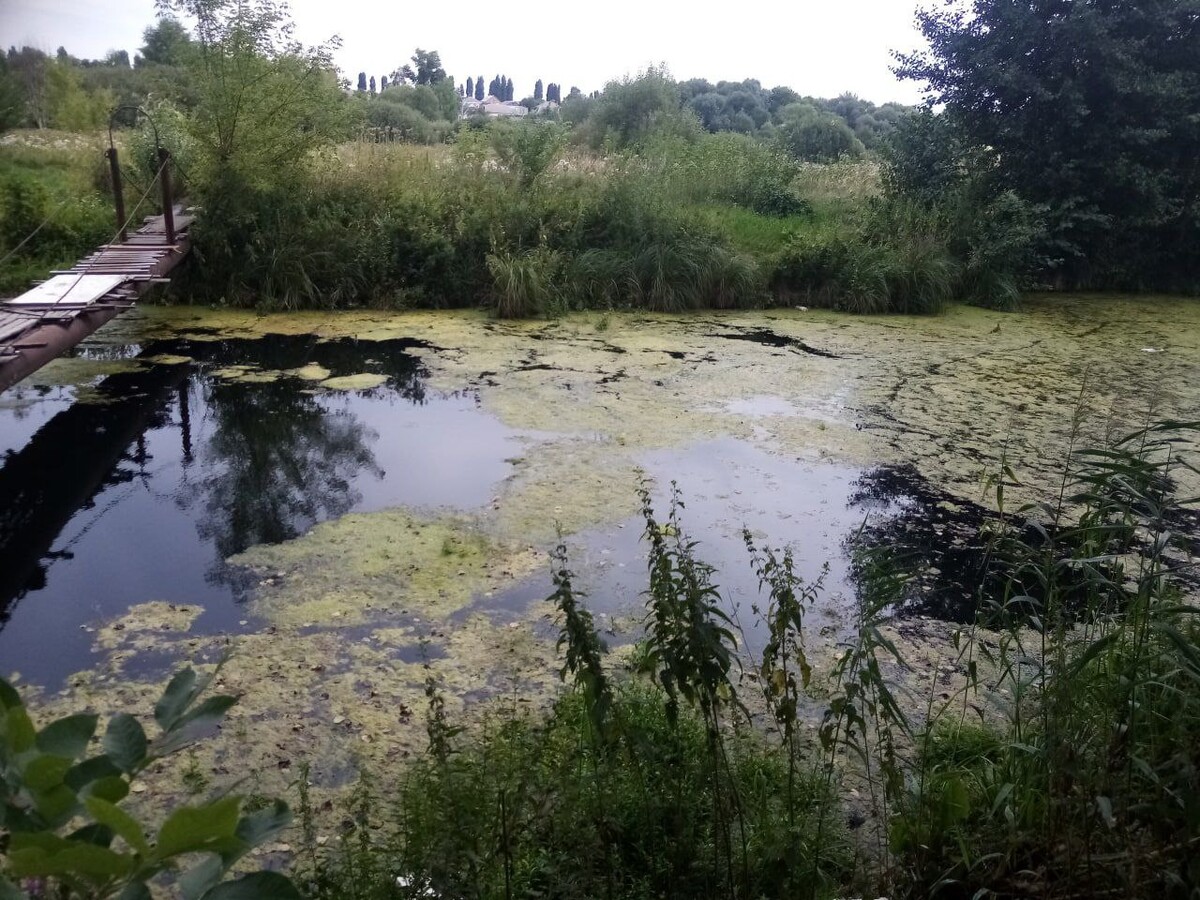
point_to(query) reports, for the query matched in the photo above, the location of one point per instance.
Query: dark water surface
(143, 491)
(144, 495)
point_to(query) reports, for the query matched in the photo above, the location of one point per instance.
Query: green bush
(634, 110)
(406, 123)
(627, 789)
(731, 168)
(526, 284)
(66, 835)
(527, 149)
(1086, 779)
(526, 810)
(43, 231)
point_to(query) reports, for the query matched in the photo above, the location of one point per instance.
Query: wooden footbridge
(55, 315)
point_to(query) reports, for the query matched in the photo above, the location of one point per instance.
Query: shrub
(405, 123)
(526, 284)
(54, 230)
(815, 136)
(627, 789)
(1086, 778)
(527, 149)
(631, 111)
(731, 168)
(66, 834)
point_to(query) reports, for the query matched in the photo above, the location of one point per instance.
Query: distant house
(493, 107)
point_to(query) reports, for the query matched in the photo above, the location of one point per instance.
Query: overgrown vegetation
(654, 192)
(1066, 762)
(64, 832)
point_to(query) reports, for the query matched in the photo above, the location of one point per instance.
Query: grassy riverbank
(518, 223)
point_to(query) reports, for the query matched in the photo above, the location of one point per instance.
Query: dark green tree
(362, 81)
(479, 88)
(166, 44)
(427, 67)
(630, 110)
(779, 97)
(538, 90)
(371, 84)
(1090, 109)
(470, 86)
(811, 134)
(710, 110)
(12, 99)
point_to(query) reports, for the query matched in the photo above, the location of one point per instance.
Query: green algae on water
(370, 565)
(363, 381)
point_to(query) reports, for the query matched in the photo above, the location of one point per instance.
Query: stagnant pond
(353, 501)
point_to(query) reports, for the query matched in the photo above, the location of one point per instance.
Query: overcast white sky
(818, 47)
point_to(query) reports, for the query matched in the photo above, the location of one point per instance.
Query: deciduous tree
(166, 43)
(1090, 108)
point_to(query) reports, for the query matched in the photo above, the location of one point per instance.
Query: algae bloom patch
(363, 381)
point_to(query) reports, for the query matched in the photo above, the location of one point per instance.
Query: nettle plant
(64, 833)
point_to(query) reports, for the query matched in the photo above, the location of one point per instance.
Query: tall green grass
(64, 189)
(1088, 778)
(505, 218)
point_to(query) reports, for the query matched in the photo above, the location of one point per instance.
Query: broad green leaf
(82, 774)
(178, 696)
(125, 742)
(18, 729)
(42, 840)
(120, 822)
(9, 698)
(56, 805)
(73, 860)
(114, 789)
(264, 824)
(210, 711)
(67, 737)
(202, 877)
(194, 829)
(45, 772)
(255, 886)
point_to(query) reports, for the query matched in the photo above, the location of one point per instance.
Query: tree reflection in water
(280, 456)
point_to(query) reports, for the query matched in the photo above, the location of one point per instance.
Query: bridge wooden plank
(12, 326)
(68, 290)
(57, 314)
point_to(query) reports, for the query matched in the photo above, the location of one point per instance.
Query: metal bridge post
(118, 190)
(168, 201)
